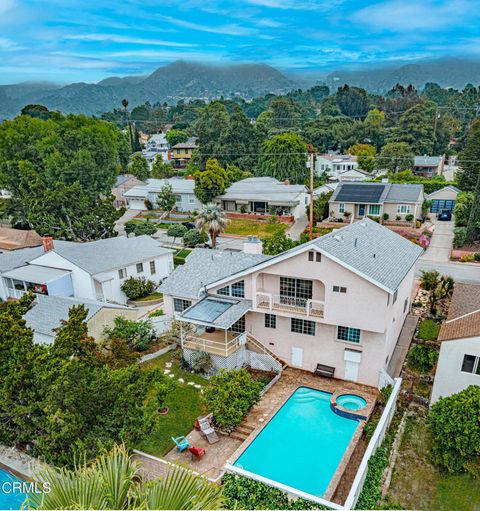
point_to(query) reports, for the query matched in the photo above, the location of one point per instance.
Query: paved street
(461, 272)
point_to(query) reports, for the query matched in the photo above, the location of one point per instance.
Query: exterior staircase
(255, 345)
(243, 431)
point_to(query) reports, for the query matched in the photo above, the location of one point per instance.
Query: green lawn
(253, 228)
(417, 484)
(154, 296)
(184, 407)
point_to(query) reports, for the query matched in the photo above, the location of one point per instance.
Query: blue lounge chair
(181, 442)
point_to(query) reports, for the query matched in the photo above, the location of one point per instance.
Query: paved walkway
(298, 227)
(441, 242)
(403, 344)
(120, 223)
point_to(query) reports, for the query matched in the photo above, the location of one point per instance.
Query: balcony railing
(214, 344)
(306, 306)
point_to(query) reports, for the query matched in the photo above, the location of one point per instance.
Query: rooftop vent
(338, 237)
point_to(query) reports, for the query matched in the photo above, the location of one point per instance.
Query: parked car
(445, 215)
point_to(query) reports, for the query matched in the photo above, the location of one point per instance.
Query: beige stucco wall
(105, 318)
(389, 208)
(444, 194)
(449, 379)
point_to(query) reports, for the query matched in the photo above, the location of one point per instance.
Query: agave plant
(113, 481)
(211, 219)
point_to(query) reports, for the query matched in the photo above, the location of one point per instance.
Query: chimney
(47, 243)
(190, 176)
(252, 245)
(286, 182)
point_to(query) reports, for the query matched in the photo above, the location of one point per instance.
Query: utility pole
(435, 123)
(312, 165)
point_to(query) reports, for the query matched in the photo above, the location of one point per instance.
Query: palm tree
(113, 481)
(437, 286)
(211, 219)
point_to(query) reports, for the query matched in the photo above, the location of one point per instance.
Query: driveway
(298, 227)
(441, 242)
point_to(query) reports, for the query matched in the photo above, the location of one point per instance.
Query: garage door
(438, 205)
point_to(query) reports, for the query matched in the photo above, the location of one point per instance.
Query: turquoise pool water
(302, 445)
(351, 402)
(8, 498)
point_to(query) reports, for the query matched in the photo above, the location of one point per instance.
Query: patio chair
(181, 442)
(207, 429)
(197, 452)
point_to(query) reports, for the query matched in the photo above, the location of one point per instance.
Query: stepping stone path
(198, 386)
(166, 371)
(168, 364)
(191, 383)
(181, 380)
(171, 376)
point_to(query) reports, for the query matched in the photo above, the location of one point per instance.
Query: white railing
(306, 306)
(375, 442)
(213, 346)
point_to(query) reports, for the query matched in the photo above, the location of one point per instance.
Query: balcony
(219, 342)
(304, 306)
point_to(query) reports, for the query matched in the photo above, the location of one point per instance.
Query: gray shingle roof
(15, 258)
(47, 312)
(156, 185)
(109, 254)
(427, 161)
(263, 189)
(204, 266)
(377, 193)
(217, 311)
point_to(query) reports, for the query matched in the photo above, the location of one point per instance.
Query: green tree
(139, 167)
(328, 132)
(175, 137)
(284, 157)
(230, 395)
(112, 482)
(166, 199)
(161, 169)
(365, 156)
(321, 206)
(277, 243)
(454, 425)
(211, 220)
(60, 173)
(463, 208)
(194, 237)
(212, 181)
(438, 287)
(38, 111)
(395, 157)
(353, 101)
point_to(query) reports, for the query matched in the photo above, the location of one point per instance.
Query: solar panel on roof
(364, 193)
(208, 310)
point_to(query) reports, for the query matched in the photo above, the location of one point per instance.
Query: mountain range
(186, 80)
(179, 80)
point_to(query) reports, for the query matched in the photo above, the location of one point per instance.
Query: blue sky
(88, 40)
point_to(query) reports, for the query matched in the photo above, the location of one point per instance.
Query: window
(302, 326)
(403, 209)
(153, 270)
(238, 326)
(405, 305)
(339, 289)
(178, 198)
(295, 291)
(341, 208)
(471, 364)
(191, 201)
(374, 209)
(237, 289)
(318, 257)
(314, 256)
(395, 296)
(139, 267)
(179, 305)
(122, 273)
(345, 333)
(270, 321)
(311, 255)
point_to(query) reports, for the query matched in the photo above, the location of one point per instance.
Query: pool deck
(274, 399)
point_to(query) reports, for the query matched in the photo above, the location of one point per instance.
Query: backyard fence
(375, 442)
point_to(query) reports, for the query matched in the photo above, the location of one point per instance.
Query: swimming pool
(302, 445)
(8, 498)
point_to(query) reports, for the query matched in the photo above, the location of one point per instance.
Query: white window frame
(341, 207)
(370, 206)
(476, 365)
(403, 209)
(122, 273)
(139, 267)
(153, 268)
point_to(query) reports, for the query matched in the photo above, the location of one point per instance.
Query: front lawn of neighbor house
(254, 228)
(184, 404)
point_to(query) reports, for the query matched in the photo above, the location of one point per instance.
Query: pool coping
(342, 465)
(14, 472)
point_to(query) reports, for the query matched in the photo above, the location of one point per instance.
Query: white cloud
(229, 29)
(125, 39)
(6, 5)
(8, 44)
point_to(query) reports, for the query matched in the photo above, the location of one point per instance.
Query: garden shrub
(244, 493)
(422, 358)
(193, 237)
(137, 287)
(386, 216)
(230, 395)
(409, 217)
(140, 228)
(428, 330)
(155, 314)
(201, 362)
(372, 488)
(454, 426)
(177, 230)
(467, 258)
(459, 236)
(476, 256)
(137, 334)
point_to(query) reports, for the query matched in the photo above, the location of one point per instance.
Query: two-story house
(157, 145)
(94, 270)
(183, 151)
(334, 164)
(339, 301)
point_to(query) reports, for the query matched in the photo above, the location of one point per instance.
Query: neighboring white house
(264, 195)
(335, 164)
(47, 313)
(186, 199)
(458, 365)
(325, 188)
(95, 270)
(353, 175)
(157, 145)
